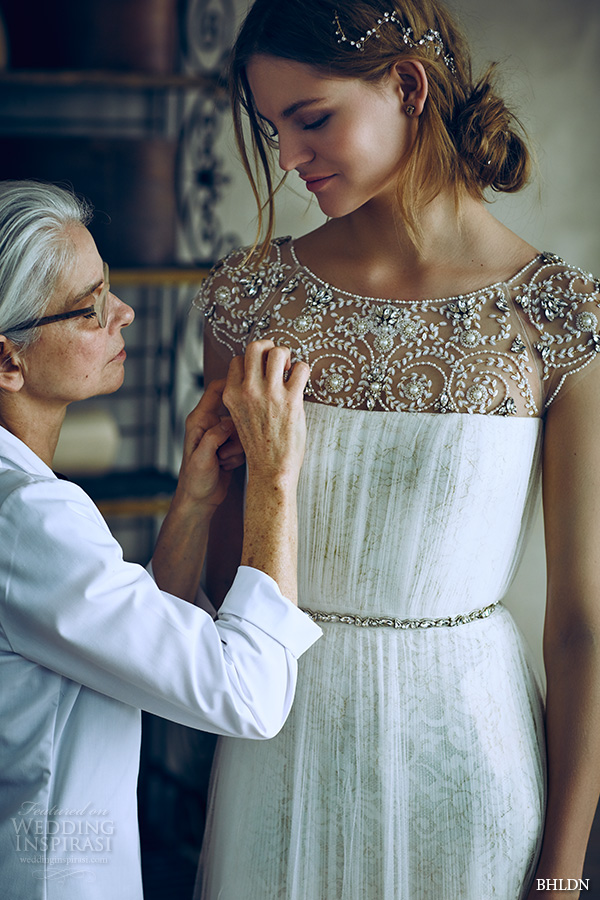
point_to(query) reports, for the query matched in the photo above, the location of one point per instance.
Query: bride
(450, 360)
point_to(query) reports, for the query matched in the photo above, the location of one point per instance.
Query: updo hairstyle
(467, 138)
(36, 250)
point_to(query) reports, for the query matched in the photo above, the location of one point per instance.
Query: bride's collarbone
(407, 283)
(494, 256)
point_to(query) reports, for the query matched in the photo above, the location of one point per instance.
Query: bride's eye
(311, 126)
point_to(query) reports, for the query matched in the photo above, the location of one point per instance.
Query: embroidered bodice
(504, 349)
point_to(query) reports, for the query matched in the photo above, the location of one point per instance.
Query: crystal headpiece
(386, 18)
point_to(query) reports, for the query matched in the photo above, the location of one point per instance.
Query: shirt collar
(14, 451)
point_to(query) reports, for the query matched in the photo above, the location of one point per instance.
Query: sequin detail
(402, 624)
(504, 350)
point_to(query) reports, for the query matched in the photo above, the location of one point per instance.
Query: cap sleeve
(562, 304)
(235, 296)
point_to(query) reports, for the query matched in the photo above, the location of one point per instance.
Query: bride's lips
(316, 182)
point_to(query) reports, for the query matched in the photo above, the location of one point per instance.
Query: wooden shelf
(71, 78)
(158, 276)
(135, 507)
(138, 494)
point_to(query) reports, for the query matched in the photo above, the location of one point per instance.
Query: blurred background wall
(129, 108)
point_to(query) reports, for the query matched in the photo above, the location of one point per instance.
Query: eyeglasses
(98, 309)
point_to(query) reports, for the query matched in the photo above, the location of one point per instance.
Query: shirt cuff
(255, 597)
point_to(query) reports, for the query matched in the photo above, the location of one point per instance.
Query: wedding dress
(412, 764)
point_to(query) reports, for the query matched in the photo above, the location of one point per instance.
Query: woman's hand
(211, 450)
(264, 394)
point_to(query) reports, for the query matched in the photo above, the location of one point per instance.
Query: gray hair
(35, 249)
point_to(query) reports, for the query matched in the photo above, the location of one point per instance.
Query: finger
(206, 412)
(255, 358)
(235, 373)
(298, 377)
(278, 361)
(235, 379)
(234, 462)
(257, 348)
(197, 423)
(232, 447)
(212, 398)
(213, 439)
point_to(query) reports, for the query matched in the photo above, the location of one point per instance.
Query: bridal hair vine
(386, 18)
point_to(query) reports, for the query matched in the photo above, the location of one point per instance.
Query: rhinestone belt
(388, 622)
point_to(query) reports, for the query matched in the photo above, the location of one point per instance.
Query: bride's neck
(371, 251)
(446, 229)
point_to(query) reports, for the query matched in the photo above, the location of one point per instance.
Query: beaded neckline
(539, 257)
(504, 349)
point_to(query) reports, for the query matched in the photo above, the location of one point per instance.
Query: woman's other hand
(264, 395)
(211, 450)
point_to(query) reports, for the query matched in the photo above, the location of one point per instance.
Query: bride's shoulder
(561, 303)
(551, 289)
(241, 273)
(239, 287)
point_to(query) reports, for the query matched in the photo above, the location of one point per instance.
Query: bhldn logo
(563, 884)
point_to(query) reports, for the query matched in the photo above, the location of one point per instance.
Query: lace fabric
(505, 349)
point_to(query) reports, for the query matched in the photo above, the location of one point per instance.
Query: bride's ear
(11, 366)
(411, 83)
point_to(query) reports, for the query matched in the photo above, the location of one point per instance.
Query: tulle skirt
(411, 768)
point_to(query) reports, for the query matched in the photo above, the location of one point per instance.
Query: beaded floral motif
(503, 350)
(567, 331)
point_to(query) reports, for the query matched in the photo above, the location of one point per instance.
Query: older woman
(86, 639)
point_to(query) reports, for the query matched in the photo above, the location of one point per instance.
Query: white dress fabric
(412, 764)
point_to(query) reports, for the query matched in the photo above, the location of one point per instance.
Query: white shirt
(86, 641)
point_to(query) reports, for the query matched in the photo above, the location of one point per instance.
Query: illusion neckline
(539, 257)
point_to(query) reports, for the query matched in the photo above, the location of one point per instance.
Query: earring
(410, 110)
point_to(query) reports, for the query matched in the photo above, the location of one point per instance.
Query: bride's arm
(571, 472)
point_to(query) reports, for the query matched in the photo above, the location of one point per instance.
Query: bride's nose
(294, 151)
